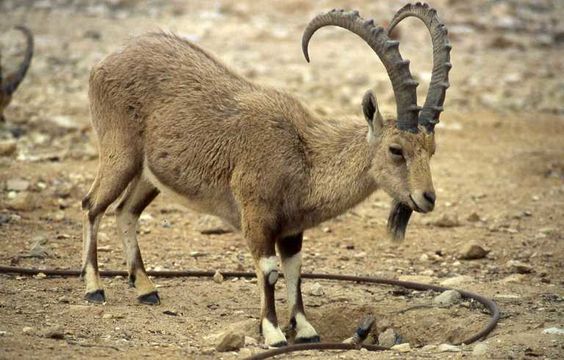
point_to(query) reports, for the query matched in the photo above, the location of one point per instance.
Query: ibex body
(172, 118)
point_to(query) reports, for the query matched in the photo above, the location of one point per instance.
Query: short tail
(12, 81)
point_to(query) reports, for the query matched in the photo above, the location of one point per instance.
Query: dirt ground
(498, 172)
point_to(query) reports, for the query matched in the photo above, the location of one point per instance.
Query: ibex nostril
(430, 196)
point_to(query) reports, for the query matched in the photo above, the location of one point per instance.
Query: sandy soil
(498, 172)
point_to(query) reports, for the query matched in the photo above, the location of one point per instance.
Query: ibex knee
(269, 268)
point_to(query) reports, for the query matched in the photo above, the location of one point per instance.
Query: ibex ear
(371, 112)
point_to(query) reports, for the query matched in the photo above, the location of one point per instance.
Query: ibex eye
(396, 151)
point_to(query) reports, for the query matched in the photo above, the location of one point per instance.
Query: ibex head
(10, 83)
(403, 146)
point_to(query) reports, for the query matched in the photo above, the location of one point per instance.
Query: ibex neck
(341, 158)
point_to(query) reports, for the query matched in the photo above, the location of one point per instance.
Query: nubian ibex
(172, 118)
(10, 83)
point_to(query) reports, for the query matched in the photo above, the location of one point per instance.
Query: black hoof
(308, 340)
(151, 298)
(96, 297)
(279, 344)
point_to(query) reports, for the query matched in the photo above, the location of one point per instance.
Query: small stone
(107, 316)
(316, 290)
(197, 254)
(8, 148)
(519, 267)
(230, 341)
(480, 349)
(17, 185)
(429, 347)
(448, 348)
(28, 330)
(388, 338)
(474, 217)
(513, 278)
(326, 230)
(245, 353)
(40, 276)
(553, 331)
(457, 280)
(447, 298)
(23, 201)
(473, 251)
(54, 333)
(360, 255)
(447, 221)
(210, 225)
(218, 277)
(251, 341)
(405, 347)
(424, 257)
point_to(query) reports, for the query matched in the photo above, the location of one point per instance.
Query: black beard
(398, 219)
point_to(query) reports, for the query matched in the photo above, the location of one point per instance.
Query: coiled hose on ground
(489, 304)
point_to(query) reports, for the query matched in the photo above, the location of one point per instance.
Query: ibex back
(172, 118)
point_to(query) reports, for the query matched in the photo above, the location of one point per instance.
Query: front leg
(290, 251)
(262, 245)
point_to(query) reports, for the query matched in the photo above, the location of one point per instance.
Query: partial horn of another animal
(429, 115)
(12, 81)
(403, 83)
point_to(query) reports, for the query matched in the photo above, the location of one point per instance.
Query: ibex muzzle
(171, 118)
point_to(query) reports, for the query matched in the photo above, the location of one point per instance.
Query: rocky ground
(498, 172)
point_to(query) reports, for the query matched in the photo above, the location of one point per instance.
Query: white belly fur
(220, 204)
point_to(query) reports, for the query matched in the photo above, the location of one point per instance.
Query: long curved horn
(387, 50)
(12, 81)
(429, 115)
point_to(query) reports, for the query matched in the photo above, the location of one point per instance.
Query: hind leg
(111, 180)
(139, 196)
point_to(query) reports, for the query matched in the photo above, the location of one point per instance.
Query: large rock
(24, 201)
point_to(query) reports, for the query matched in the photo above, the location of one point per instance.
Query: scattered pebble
(17, 185)
(28, 330)
(388, 338)
(40, 276)
(448, 348)
(218, 277)
(473, 251)
(316, 290)
(251, 341)
(447, 221)
(23, 201)
(245, 353)
(457, 280)
(230, 340)
(480, 349)
(513, 278)
(519, 267)
(8, 148)
(54, 333)
(405, 347)
(447, 298)
(474, 217)
(211, 225)
(553, 331)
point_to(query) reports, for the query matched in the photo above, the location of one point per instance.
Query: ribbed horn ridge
(12, 81)
(387, 50)
(429, 115)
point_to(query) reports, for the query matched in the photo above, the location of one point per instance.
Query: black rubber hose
(489, 304)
